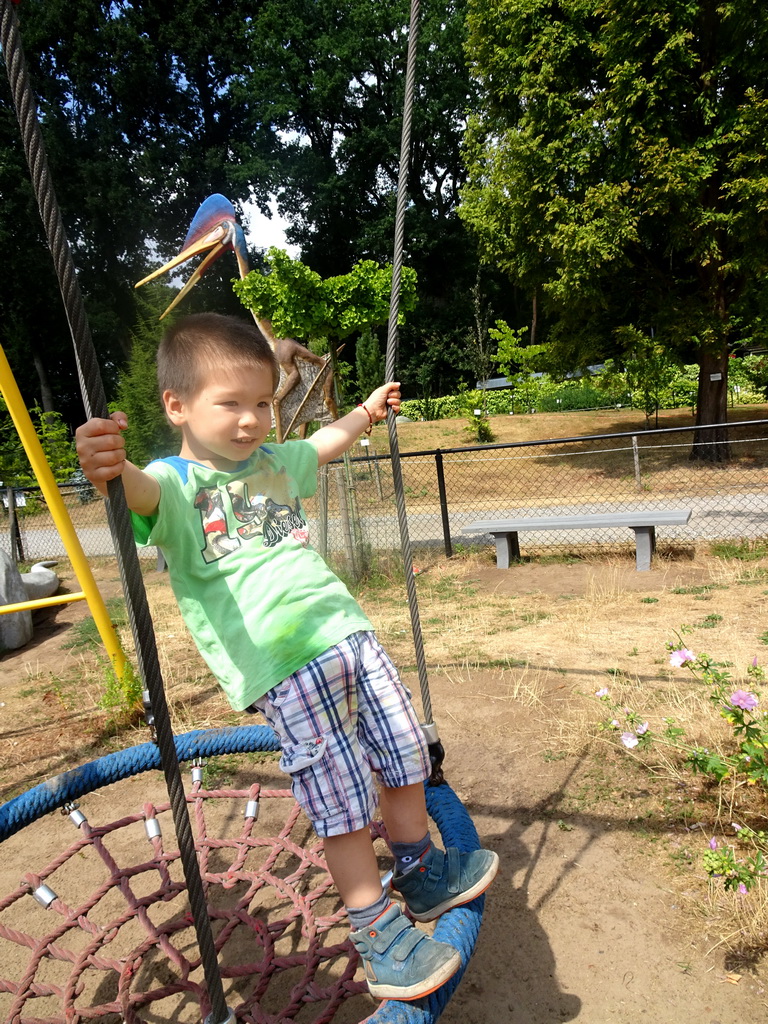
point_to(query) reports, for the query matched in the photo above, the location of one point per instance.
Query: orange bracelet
(362, 405)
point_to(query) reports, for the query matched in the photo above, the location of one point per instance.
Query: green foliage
(301, 304)
(425, 407)
(123, 697)
(149, 434)
(743, 550)
(741, 758)
(85, 634)
(668, 387)
(472, 405)
(142, 118)
(616, 170)
(54, 436)
(516, 360)
(369, 363)
(648, 369)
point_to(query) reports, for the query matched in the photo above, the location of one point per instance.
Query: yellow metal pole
(41, 602)
(42, 471)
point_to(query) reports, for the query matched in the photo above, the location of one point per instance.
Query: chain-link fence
(353, 516)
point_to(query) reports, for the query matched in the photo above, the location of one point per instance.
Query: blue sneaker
(400, 962)
(444, 880)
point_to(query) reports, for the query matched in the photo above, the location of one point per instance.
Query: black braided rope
(95, 404)
(391, 369)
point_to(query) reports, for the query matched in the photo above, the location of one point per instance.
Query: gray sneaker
(400, 962)
(444, 880)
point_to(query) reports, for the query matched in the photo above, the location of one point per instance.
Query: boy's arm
(101, 452)
(333, 440)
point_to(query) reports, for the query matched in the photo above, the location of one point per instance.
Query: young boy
(284, 636)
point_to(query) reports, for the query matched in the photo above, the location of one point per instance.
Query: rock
(15, 628)
(40, 581)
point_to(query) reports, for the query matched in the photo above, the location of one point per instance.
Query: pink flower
(642, 729)
(602, 692)
(629, 740)
(679, 658)
(742, 889)
(744, 700)
(713, 843)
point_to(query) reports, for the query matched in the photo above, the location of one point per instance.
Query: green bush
(605, 390)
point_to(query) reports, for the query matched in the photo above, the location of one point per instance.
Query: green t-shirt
(259, 602)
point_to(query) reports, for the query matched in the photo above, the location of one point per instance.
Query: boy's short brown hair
(196, 344)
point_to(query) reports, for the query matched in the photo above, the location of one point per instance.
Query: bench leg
(645, 544)
(507, 549)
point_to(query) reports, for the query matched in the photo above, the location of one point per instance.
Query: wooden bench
(643, 522)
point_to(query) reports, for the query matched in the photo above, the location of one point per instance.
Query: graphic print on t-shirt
(260, 516)
(210, 504)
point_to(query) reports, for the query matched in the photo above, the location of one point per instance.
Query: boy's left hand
(387, 396)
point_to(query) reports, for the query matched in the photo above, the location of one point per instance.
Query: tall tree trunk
(46, 395)
(712, 407)
(534, 317)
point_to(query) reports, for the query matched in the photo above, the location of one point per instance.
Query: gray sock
(407, 855)
(359, 917)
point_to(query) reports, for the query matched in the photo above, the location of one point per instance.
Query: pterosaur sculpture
(305, 391)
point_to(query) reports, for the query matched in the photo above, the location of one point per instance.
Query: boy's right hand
(100, 448)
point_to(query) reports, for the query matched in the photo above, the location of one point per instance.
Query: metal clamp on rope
(149, 715)
(75, 816)
(197, 771)
(44, 895)
(230, 1019)
(152, 828)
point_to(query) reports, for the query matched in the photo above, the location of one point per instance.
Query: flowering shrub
(745, 761)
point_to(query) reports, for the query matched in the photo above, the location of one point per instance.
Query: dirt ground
(598, 915)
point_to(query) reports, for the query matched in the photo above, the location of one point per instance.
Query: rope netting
(102, 931)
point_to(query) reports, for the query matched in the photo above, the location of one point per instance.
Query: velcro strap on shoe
(406, 944)
(392, 935)
(453, 872)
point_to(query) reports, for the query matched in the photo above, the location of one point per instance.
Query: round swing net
(102, 930)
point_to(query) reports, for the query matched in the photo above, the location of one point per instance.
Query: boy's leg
(430, 881)
(331, 779)
(352, 864)
(404, 812)
(436, 881)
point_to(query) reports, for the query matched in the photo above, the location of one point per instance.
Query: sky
(261, 232)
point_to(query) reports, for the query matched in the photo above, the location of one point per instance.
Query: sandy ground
(588, 920)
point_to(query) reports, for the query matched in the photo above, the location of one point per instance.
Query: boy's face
(228, 418)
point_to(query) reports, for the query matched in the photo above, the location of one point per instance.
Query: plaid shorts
(342, 719)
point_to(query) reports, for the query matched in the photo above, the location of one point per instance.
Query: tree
(329, 77)
(616, 169)
(300, 304)
(149, 435)
(147, 108)
(143, 116)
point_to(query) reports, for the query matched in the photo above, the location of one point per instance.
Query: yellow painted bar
(42, 471)
(42, 602)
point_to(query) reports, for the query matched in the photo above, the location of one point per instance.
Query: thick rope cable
(435, 747)
(94, 400)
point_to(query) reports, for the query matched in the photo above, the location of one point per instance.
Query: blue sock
(359, 917)
(407, 855)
